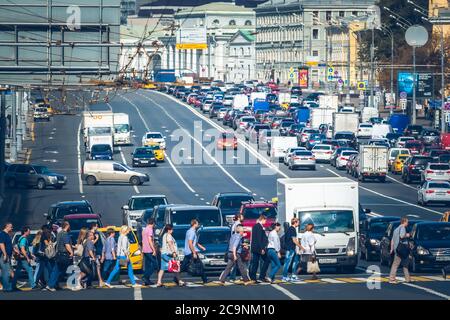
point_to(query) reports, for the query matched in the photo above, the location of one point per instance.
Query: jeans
(150, 264)
(107, 268)
(275, 263)
(116, 270)
(56, 273)
(43, 269)
(185, 265)
(23, 264)
(256, 257)
(5, 269)
(290, 256)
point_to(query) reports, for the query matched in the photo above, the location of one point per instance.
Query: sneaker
(285, 279)
(108, 285)
(294, 278)
(267, 280)
(50, 289)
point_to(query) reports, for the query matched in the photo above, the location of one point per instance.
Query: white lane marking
(413, 215)
(202, 199)
(168, 159)
(329, 280)
(137, 294)
(207, 202)
(80, 181)
(250, 149)
(136, 189)
(50, 138)
(403, 184)
(53, 151)
(201, 146)
(286, 292)
(50, 160)
(179, 174)
(433, 292)
(391, 198)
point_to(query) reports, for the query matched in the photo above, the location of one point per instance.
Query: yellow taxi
(149, 85)
(136, 256)
(159, 153)
(397, 165)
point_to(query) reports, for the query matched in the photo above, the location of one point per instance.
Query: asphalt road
(190, 175)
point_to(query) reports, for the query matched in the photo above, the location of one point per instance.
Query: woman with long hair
(169, 251)
(43, 264)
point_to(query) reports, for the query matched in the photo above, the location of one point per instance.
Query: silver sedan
(302, 158)
(433, 191)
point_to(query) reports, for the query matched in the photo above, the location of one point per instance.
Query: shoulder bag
(174, 265)
(313, 264)
(50, 250)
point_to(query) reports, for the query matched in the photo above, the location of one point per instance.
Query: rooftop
(216, 7)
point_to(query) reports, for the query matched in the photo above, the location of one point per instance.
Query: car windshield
(144, 151)
(254, 213)
(444, 158)
(101, 148)
(214, 237)
(378, 226)
(233, 202)
(78, 224)
(439, 185)
(316, 136)
(413, 145)
(154, 136)
(227, 135)
(154, 147)
(42, 170)
(328, 220)
(365, 126)
(421, 161)
(434, 232)
(146, 203)
(75, 209)
(431, 133)
(207, 218)
(322, 147)
(303, 153)
(415, 128)
(121, 128)
(96, 131)
(439, 166)
(346, 136)
(348, 153)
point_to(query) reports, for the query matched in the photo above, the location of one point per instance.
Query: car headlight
(422, 251)
(374, 242)
(135, 159)
(351, 247)
(137, 253)
(152, 159)
(52, 178)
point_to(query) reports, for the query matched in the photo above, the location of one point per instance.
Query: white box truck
(345, 122)
(329, 102)
(331, 204)
(279, 145)
(122, 129)
(98, 128)
(380, 130)
(321, 116)
(372, 162)
(240, 101)
(368, 113)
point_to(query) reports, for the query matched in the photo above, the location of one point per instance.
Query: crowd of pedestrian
(52, 253)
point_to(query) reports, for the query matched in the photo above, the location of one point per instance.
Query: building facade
(309, 34)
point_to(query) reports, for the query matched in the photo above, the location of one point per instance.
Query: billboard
(405, 83)
(424, 84)
(303, 77)
(191, 38)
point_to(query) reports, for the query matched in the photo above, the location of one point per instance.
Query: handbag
(86, 266)
(79, 250)
(174, 265)
(403, 250)
(195, 267)
(313, 265)
(245, 255)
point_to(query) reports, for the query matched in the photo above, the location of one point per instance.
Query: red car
(445, 141)
(414, 146)
(252, 211)
(192, 98)
(227, 140)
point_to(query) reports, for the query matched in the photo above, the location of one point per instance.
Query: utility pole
(443, 123)
(392, 70)
(20, 123)
(13, 146)
(372, 53)
(414, 87)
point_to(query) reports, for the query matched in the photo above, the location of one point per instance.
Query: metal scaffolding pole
(13, 146)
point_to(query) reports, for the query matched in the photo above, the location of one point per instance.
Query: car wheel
(91, 180)
(41, 184)
(135, 181)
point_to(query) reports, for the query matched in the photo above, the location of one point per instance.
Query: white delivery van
(368, 113)
(372, 162)
(380, 131)
(122, 129)
(321, 116)
(279, 145)
(240, 101)
(345, 122)
(329, 102)
(98, 128)
(331, 204)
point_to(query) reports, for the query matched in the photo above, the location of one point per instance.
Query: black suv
(33, 176)
(413, 130)
(371, 232)
(58, 211)
(413, 167)
(230, 203)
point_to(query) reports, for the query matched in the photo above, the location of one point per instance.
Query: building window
(354, 13)
(315, 34)
(315, 53)
(232, 23)
(328, 15)
(241, 52)
(248, 23)
(342, 14)
(216, 23)
(235, 51)
(315, 14)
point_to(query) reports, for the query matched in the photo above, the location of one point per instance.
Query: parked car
(371, 232)
(437, 191)
(30, 175)
(430, 245)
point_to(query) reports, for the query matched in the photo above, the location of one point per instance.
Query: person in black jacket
(259, 251)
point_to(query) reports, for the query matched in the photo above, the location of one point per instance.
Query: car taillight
(429, 191)
(448, 172)
(312, 158)
(429, 171)
(448, 191)
(410, 167)
(343, 158)
(242, 123)
(296, 158)
(328, 152)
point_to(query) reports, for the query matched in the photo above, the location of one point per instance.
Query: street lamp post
(372, 53)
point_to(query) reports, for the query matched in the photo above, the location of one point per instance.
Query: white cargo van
(240, 101)
(279, 146)
(122, 129)
(331, 204)
(381, 130)
(96, 171)
(372, 162)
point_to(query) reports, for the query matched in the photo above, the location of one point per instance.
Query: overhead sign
(403, 103)
(424, 85)
(361, 85)
(191, 39)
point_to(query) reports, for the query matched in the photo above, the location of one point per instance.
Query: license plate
(217, 263)
(144, 161)
(443, 258)
(327, 261)
(439, 173)
(440, 194)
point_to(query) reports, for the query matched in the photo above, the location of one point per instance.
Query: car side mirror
(367, 210)
(125, 207)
